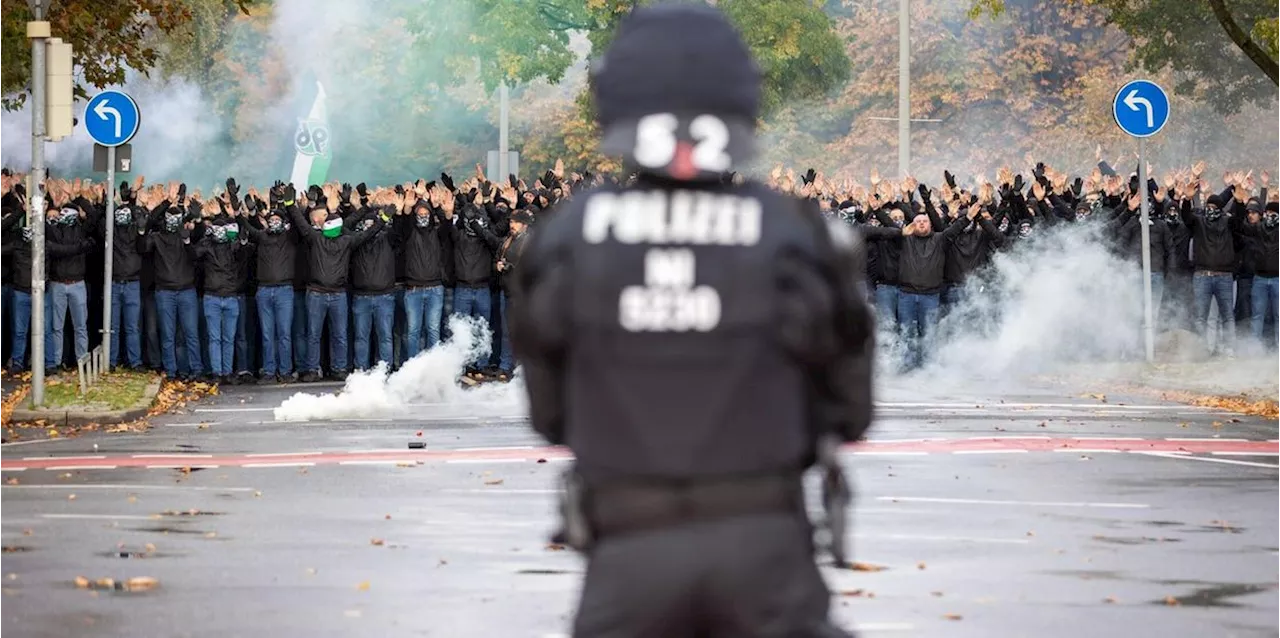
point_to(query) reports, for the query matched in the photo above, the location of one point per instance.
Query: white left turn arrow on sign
(103, 111)
(1131, 100)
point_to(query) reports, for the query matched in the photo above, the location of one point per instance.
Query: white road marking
(180, 466)
(63, 458)
(492, 449)
(178, 455)
(1210, 460)
(1084, 450)
(989, 452)
(1012, 438)
(497, 491)
(486, 461)
(378, 450)
(131, 517)
(936, 438)
(873, 453)
(1106, 438)
(1246, 453)
(196, 488)
(979, 405)
(13, 469)
(946, 539)
(4, 445)
(386, 462)
(270, 454)
(80, 467)
(189, 425)
(299, 464)
(976, 501)
(233, 409)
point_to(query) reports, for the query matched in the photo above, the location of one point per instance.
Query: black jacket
(126, 259)
(423, 250)
(510, 251)
(329, 260)
(1267, 247)
(18, 253)
(472, 253)
(373, 263)
(1161, 241)
(223, 270)
(920, 269)
(67, 247)
(1212, 247)
(277, 254)
(970, 249)
(172, 259)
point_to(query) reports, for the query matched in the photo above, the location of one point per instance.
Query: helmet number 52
(656, 141)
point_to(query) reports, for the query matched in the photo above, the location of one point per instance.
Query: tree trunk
(1242, 40)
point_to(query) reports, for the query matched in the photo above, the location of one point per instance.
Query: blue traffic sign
(1141, 108)
(112, 118)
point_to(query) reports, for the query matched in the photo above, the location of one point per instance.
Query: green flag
(311, 165)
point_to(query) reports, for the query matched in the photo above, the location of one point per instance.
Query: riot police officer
(691, 340)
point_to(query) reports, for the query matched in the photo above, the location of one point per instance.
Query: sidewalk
(1246, 385)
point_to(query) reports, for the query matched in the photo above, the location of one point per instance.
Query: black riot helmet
(677, 93)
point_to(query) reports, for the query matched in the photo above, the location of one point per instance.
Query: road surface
(1037, 513)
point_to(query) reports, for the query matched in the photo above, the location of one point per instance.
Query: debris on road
(377, 542)
(363, 586)
(953, 616)
(1171, 601)
(494, 482)
(139, 583)
(866, 567)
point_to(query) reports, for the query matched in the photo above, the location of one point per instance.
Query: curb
(73, 416)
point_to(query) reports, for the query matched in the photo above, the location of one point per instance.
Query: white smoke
(1064, 302)
(177, 123)
(427, 383)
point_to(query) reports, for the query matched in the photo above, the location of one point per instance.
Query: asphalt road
(1029, 513)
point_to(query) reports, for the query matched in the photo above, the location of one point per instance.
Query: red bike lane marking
(932, 446)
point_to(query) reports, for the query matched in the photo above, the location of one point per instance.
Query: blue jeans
(220, 315)
(21, 306)
(151, 331)
(952, 294)
(1220, 289)
(275, 320)
(918, 316)
(64, 297)
(1266, 303)
(445, 333)
(175, 306)
(423, 308)
(245, 346)
(507, 362)
(369, 309)
(334, 306)
(126, 314)
(300, 339)
(472, 302)
(887, 305)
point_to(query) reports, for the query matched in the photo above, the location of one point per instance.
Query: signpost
(111, 119)
(1141, 109)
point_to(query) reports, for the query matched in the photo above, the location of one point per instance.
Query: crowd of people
(250, 287)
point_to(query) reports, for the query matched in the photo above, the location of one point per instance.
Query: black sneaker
(14, 368)
(292, 377)
(309, 376)
(338, 375)
(246, 378)
(228, 380)
(266, 379)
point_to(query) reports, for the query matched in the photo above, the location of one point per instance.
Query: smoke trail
(426, 383)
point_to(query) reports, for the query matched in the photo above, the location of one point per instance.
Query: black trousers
(742, 577)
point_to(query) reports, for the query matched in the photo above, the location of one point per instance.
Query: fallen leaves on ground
(866, 567)
(555, 547)
(140, 583)
(855, 593)
(377, 541)
(494, 482)
(10, 402)
(921, 565)
(175, 394)
(1171, 601)
(952, 616)
(363, 586)
(1109, 599)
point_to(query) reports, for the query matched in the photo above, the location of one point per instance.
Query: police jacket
(277, 253)
(679, 331)
(472, 251)
(423, 249)
(373, 263)
(1212, 244)
(329, 259)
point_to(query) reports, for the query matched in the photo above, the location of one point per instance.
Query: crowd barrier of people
(278, 285)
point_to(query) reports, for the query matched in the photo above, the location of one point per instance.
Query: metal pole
(503, 168)
(1149, 328)
(106, 278)
(904, 89)
(37, 30)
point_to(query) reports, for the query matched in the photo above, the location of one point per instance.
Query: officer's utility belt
(619, 509)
